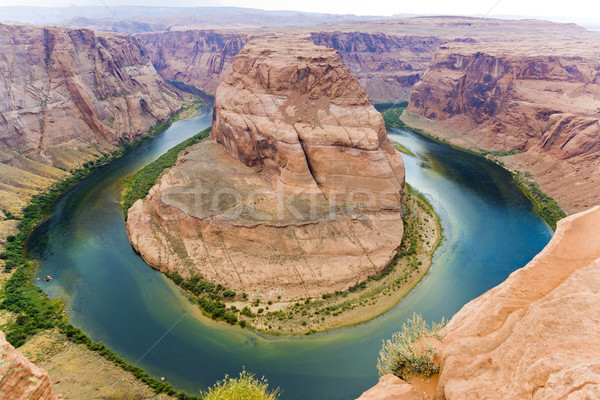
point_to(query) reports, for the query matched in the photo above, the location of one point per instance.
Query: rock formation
(386, 66)
(195, 57)
(21, 379)
(540, 325)
(537, 334)
(541, 101)
(298, 195)
(67, 93)
(390, 387)
(298, 112)
(388, 57)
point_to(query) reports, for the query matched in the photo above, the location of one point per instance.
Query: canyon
(289, 120)
(539, 104)
(67, 96)
(270, 207)
(536, 335)
(534, 100)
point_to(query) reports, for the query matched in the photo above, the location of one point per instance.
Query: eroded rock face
(292, 108)
(196, 57)
(542, 100)
(64, 91)
(21, 379)
(298, 195)
(387, 66)
(537, 334)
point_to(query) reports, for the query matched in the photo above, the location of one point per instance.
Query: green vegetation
(77, 336)
(397, 277)
(409, 352)
(404, 150)
(210, 297)
(391, 116)
(33, 309)
(143, 181)
(8, 215)
(387, 105)
(544, 205)
(246, 387)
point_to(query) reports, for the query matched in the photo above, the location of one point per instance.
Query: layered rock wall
(201, 58)
(295, 110)
(66, 94)
(387, 66)
(540, 101)
(73, 88)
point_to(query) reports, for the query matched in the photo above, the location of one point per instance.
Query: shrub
(246, 387)
(247, 312)
(146, 178)
(403, 357)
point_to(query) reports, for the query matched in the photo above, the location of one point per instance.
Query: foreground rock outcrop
(536, 335)
(65, 95)
(540, 101)
(21, 379)
(390, 387)
(300, 192)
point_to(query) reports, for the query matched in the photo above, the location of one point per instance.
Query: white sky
(587, 10)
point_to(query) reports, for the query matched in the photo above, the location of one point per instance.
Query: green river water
(490, 230)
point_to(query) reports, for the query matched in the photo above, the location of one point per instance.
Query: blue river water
(490, 230)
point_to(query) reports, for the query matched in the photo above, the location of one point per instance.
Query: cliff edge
(66, 95)
(535, 104)
(536, 335)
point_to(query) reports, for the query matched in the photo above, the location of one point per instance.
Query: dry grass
(245, 387)
(78, 373)
(409, 352)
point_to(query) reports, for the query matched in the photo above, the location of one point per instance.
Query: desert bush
(409, 352)
(245, 387)
(143, 181)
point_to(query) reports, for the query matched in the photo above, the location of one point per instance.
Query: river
(490, 230)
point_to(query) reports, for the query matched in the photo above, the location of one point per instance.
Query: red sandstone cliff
(299, 196)
(19, 378)
(73, 88)
(67, 93)
(386, 66)
(534, 336)
(541, 100)
(201, 58)
(388, 57)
